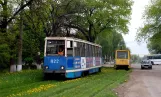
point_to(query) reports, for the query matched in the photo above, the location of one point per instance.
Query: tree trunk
(4, 14)
(19, 66)
(38, 66)
(12, 65)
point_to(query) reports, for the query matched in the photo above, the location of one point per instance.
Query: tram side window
(97, 52)
(93, 51)
(77, 49)
(100, 52)
(69, 48)
(87, 50)
(82, 49)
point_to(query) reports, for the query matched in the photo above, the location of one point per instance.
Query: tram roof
(72, 39)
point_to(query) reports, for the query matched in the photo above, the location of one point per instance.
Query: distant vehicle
(71, 57)
(122, 59)
(155, 59)
(146, 64)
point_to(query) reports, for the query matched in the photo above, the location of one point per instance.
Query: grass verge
(31, 83)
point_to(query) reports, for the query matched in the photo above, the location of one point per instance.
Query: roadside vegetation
(150, 31)
(31, 83)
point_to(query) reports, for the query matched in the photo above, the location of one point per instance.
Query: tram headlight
(46, 67)
(62, 67)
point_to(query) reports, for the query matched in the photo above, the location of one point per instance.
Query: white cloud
(136, 22)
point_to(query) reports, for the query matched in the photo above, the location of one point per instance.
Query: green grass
(31, 83)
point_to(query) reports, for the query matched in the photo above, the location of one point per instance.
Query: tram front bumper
(54, 71)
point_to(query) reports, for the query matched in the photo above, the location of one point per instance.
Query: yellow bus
(122, 59)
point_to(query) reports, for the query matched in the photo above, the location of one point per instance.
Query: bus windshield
(122, 54)
(55, 47)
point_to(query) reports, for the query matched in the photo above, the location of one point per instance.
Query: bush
(28, 61)
(4, 56)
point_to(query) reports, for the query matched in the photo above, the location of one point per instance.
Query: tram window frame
(82, 50)
(93, 50)
(77, 49)
(99, 51)
(96, 49)
(79, 46)
(86, 50)
(70, 48)
(52, 46)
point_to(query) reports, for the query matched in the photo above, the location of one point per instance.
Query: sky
(136, 22)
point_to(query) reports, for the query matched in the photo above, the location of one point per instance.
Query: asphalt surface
(142, 83)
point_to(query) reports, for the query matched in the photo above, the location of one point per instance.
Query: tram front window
(122, 55)
(55, 47)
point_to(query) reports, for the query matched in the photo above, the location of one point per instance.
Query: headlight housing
(62, 68)
(46, 67)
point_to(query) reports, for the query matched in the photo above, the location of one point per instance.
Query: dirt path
(142, 83)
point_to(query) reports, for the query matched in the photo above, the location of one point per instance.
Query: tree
(135, 58)
(110, 41)
(151, 30)
(154, 45)
(7, 15)
(98, 16)
(88, 17)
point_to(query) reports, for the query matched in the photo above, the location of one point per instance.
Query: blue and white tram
(79, 57)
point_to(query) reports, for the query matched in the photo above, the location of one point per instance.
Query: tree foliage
(151, 29)
(135, 58)
(87, 19)
(111, 41)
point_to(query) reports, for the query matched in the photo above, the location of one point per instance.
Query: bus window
(54, 46)
(122, 54)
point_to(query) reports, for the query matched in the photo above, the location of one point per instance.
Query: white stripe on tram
(82, 69)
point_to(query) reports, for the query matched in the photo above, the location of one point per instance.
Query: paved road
(142, 83)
